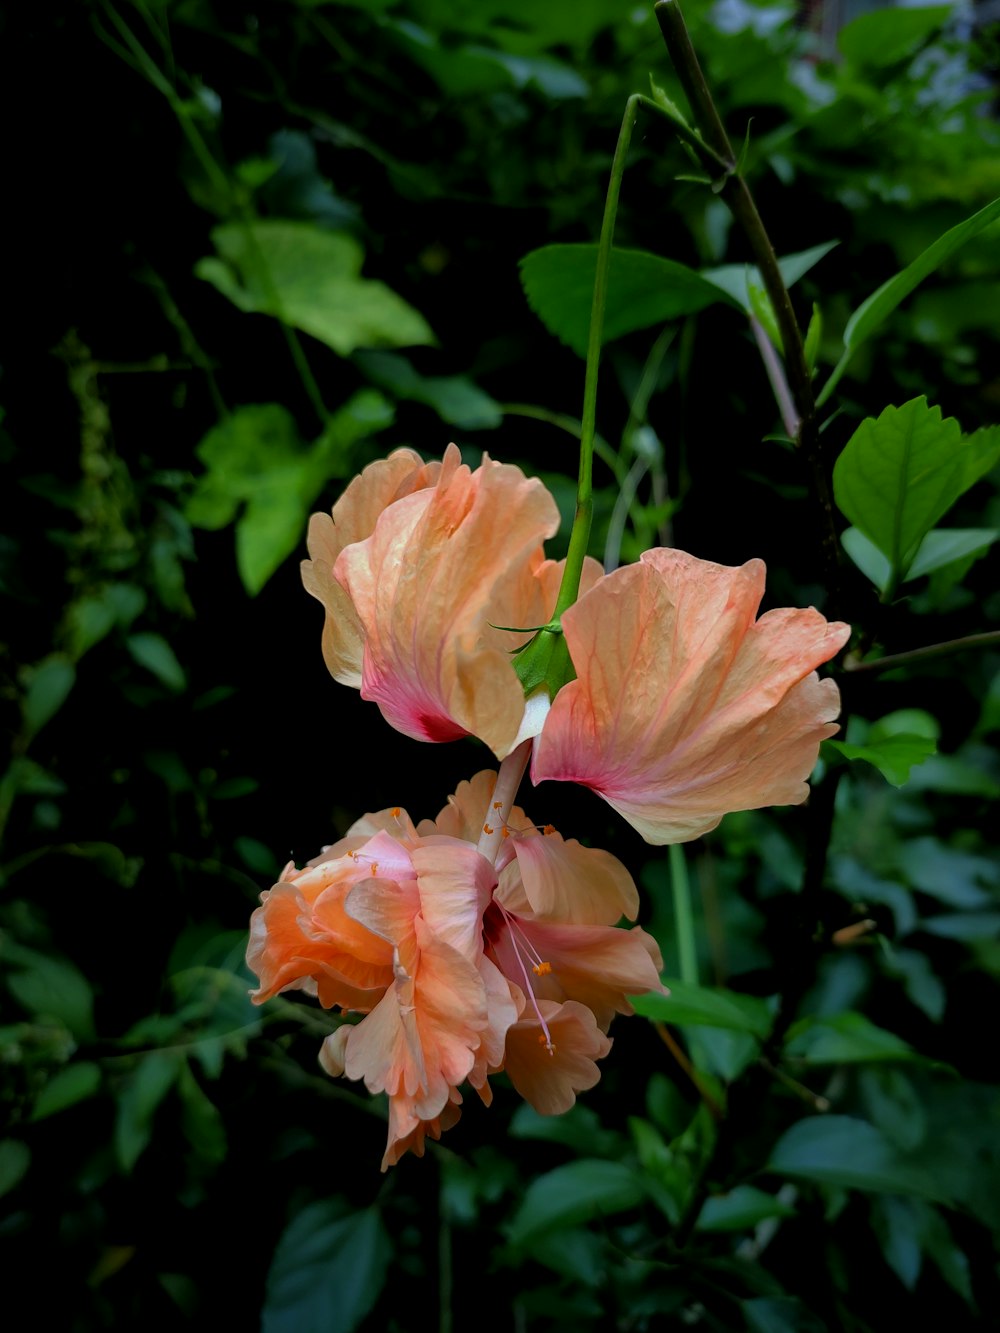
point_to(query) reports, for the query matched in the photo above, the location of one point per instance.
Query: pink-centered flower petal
(685, 707)
(442, 569)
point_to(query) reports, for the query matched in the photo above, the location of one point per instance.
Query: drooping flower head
(461, 967)
(419, 568)
(686, 706)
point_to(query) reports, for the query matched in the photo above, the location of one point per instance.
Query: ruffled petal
(442, 568)
(550, 1082)
(684, 707)
(565, 881)
(354, 517)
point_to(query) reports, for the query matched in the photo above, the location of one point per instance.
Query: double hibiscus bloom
(474, 943)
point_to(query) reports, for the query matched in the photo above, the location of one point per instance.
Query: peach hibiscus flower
(686, 706)
(417, 568)
(462, 965)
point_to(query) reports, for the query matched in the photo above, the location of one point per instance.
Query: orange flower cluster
(473, 943)
(461, 967)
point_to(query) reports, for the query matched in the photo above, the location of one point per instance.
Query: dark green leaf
(643, 289)
(49, 684)
(65, 1088)
(154, 653)
(454, 398)
(889, 35)
(740, 1209)
(844, 1039)
(739, 281)
(572, 1194)
(51, 988)
(328, 1271)
(143, 1091)
(708, 1006)
(15, 1158)
(882, 302)
(840, 1150)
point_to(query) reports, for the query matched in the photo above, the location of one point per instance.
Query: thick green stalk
(687, 950)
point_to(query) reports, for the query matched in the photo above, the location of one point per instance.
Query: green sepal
(544, 662)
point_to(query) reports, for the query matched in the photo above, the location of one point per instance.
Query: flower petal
(442, 569)
(567, 882)
(550, 1082)
(354, 517)
(685, 708)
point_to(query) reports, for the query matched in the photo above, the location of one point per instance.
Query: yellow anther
(545, 1041)
(542, 969)
(487, 829)
(374, 867)
(395, 812)
(505, 832)
(498, 805)
(549, 828)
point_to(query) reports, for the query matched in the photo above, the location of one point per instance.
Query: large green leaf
(643, 289)
(889, 35)
(328, 1270)
(879, 306)
(740, 1209)
(50, 683)
(941, 547)
(842, 1151)
(572, 1194)
(49, 987)
(310, 278)
(706, 1006)
(256, 461)
(138, 1099)
(741, 281)
(454, 398)
(899, 473)
(847, 1038)
(893, 756)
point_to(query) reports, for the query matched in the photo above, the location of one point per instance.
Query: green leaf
(454, 398)
(740, 1209)
(143, 1091)
(90, 619)
(842, 1151)
(154, 653)
(310, 278)
(573, 1194)
(890, 35)
(328, 1271)
(899, 474)
(709, 1006)
(894, 757)
(73, 1084)
(49, 684)
(579, 1128)
(882, 302)
(940, 547)
(943, 546)
(256, 460)
(15, 1158)
(643, 289)
(847, 1038)
(739, 280)
(200, 1118)
(780, 1314)
(50, 988)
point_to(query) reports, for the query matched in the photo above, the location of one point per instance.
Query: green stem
(735, 193)
(687, 951)
(989, 639)
(580, 536)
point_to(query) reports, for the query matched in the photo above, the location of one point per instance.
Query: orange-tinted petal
(684, 707)
(567, 882)
(550, 1082)
(354, 517)
(600, 966)
(441, 569)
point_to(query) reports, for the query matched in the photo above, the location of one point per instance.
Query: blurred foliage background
(253, 249)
